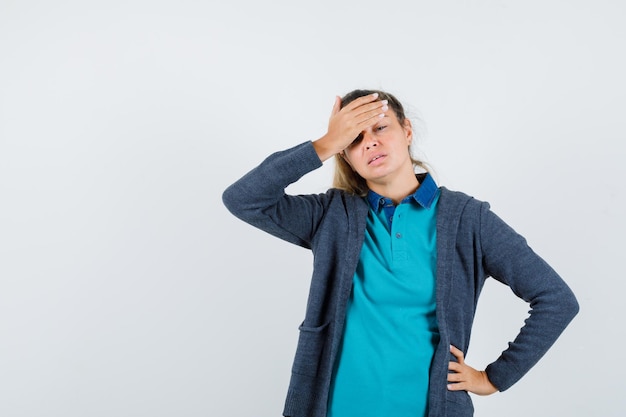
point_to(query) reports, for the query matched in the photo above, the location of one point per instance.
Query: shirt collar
(424, 195)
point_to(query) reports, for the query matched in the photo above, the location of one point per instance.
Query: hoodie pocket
(311, 344)
(459, 404)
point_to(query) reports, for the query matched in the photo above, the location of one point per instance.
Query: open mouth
(375, 158)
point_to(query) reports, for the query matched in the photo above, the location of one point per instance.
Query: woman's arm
(508, 258)
(259, 197)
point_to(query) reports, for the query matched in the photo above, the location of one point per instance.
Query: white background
(127, 289)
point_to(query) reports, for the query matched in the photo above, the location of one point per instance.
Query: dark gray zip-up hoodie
(472, 244)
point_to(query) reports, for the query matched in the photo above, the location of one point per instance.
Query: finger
(456, 377)
(456, 352)
(459, 386)
(336, 106)
(372, 115)
(455, 367)
(369, 108)
(364, 110)
(361, 101)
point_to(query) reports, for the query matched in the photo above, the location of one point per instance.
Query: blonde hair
(345, 177)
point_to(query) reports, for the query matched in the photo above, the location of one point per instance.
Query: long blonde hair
(345, 177)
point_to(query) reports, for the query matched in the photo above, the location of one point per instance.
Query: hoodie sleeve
(508, 258)
(259, 197)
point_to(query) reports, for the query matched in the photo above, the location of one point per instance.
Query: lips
(375, 158)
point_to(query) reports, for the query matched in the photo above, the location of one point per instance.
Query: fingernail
(375, 95)
(385, 108)
(381, 115)
(385, 102)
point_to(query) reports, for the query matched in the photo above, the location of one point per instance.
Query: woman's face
(380, 154)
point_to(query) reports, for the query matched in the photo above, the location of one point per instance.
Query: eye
(357, 139)
(381, 128)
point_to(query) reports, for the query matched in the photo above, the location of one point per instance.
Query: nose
(369, 141)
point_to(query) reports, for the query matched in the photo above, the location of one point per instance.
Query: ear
(408, 130)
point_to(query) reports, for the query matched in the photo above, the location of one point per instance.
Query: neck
(396, 189)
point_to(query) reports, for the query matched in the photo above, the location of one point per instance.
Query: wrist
(324, 149)
(491, 389)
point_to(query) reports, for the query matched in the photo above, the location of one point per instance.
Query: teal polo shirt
(391, 329)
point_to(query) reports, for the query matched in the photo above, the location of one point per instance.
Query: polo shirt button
(398, 235)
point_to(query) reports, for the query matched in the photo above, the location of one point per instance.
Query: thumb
(336, 106)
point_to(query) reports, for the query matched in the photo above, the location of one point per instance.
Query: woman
(398, 267)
